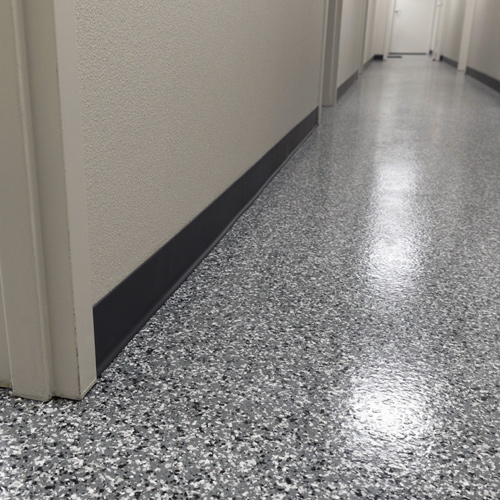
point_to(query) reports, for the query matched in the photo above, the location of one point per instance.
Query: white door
(412, 26)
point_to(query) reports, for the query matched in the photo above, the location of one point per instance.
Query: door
(412, 26)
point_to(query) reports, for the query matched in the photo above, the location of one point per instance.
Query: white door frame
(388, 28)
(364, 24)
(436, 54)
(437, 10)
(470, 6)
(22, 271)
(44, 248)
(5, 376)
(322, 70)
(331, 53)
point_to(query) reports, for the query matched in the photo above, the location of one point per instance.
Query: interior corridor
(342, 341)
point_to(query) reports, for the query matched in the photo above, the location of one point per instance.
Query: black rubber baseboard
(376, 57)
(484, 78)
(127, 308)
(343, 88)
(449, 61)
(408, 53)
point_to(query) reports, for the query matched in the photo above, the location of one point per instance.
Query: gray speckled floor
(342, 341)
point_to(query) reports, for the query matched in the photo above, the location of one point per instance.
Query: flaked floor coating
(342, 341)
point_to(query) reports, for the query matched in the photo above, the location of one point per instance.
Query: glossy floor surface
(342, 341)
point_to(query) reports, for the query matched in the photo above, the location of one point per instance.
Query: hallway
(342, 341)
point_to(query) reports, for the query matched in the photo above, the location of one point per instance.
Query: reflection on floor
(343, 340)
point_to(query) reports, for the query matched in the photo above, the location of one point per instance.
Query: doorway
(412, 22)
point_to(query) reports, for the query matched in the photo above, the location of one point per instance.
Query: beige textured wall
(452, 29)
(350, 39)
(484, 51)
(179, 99)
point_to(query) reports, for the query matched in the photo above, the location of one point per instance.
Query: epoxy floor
(342, 341)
